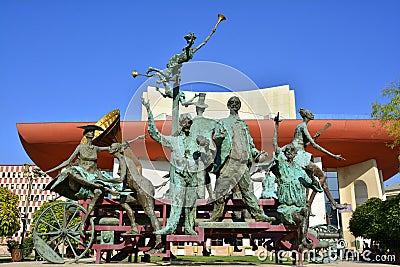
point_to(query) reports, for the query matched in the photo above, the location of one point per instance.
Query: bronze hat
(190, 36)
(91, 127)
(200, 102)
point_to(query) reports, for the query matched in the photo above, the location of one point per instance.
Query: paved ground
(91, 263)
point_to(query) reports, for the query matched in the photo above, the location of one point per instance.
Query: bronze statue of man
(235, 153)
(203, 127)
(183, 187)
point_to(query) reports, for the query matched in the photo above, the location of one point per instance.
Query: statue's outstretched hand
(339, 157)
(276, 119)
(150, 70)
(37, 171)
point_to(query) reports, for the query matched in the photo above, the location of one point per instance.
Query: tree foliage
(12, 244)
(378, 220)
(389, 112)
(389, 220)
(364, 221)
(28, 246)
(9, 213)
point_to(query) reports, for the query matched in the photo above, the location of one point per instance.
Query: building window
(30, 209)
(12, 186)
(331, 213)
(23, 186)
(361, 192)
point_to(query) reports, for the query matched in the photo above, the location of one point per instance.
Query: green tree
(389, 221)
(9, 213)
(389, 112)
(365, 219)
(378, 220)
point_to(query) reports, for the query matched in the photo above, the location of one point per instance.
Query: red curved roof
(48, 144)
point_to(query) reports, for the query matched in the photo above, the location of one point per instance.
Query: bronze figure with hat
(82, 179)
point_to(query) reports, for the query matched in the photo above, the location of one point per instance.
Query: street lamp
(27, 174)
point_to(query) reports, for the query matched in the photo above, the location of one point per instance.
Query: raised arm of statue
(153, 131)
(67, 162)
(126, 143)
(309, 139)
(103, 148)
(220, 18)
(194, 50)
(275, 137)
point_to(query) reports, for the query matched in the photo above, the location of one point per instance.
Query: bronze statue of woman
(83, 180)
(302, 138)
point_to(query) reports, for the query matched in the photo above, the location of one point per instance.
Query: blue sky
(72, 60)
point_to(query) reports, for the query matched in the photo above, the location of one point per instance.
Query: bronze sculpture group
(200, 146)
(223, 147)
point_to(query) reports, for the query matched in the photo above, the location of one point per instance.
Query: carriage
(62, 242)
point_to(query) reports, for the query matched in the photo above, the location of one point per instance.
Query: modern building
(369, 161)
(392, 190)
(12, 177)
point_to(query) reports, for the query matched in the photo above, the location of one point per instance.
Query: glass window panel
(332, 184)
(335, 194)
(331, 174)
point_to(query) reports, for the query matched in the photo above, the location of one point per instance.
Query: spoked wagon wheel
(291, 242)
(57, 233)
